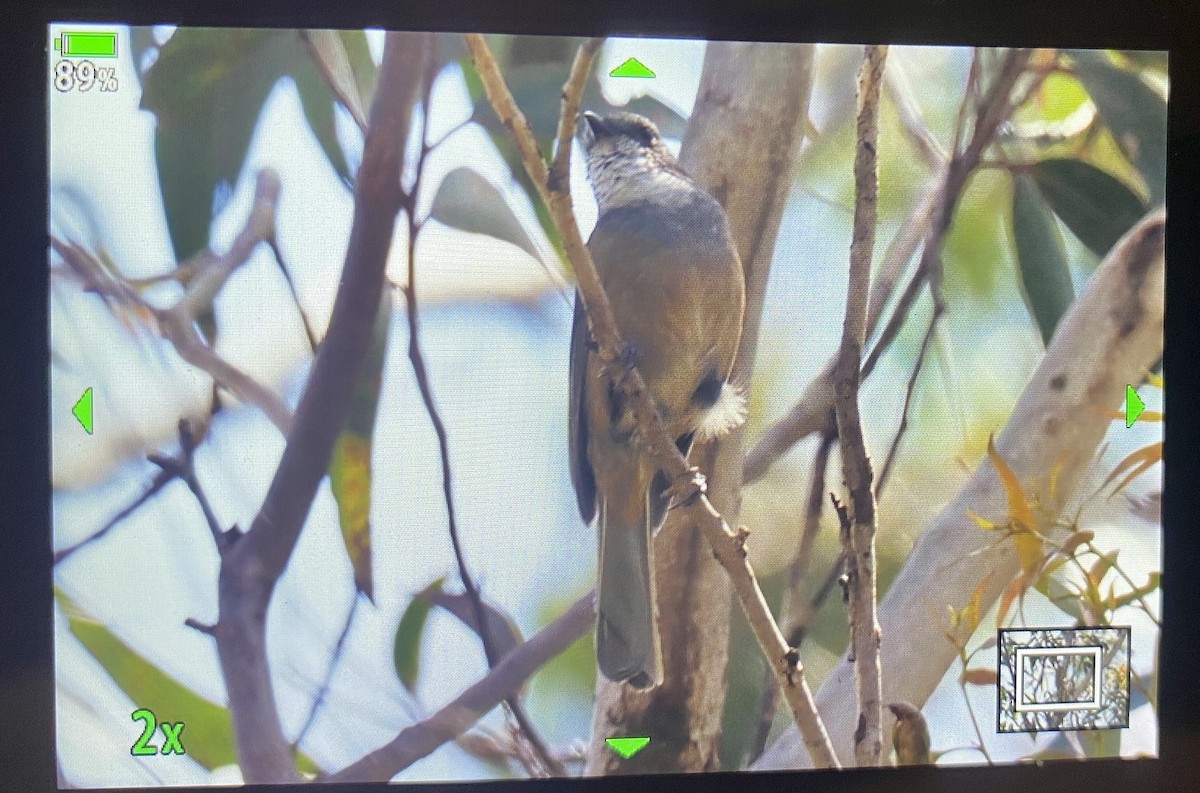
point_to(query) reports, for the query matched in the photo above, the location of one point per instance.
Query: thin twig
(421, 739)
(334, 658)
(688, 487)
(161, 480)
(183, 467)
(549, 765)
(908, 394)
(859, 541)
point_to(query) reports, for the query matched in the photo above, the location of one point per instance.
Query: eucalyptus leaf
(469, 202)
(406, 647)
(1041, 257)
(1135, 113)
(1097, 207)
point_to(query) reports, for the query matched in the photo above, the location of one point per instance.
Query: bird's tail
(627, 642)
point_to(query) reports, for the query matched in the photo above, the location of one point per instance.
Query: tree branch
(1110, 335)
(421, 739)
(252, 566)
(209, 274)
(688, 485)
(859, 540)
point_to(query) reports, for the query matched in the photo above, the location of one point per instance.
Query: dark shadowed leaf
(317, 102)
(468, 202)
(1041, 258)
(1098, 208)
(1134, 112)
(406, 648)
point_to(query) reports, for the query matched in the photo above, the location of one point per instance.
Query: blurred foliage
(208, 736)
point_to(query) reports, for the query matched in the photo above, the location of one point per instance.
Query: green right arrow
(1133, 406)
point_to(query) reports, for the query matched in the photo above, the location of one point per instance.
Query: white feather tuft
(727, 413)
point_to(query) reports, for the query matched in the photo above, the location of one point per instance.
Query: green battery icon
(87, 45)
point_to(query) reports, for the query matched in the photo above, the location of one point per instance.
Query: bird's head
(621, 150)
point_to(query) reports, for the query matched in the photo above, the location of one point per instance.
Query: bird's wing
(581, 470)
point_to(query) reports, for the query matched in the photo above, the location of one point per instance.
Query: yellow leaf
(971, 612)
(1155, 380)
(1018, 504)
(1136, 463)
(982, 522)
(1151, 416)
(1029, 550)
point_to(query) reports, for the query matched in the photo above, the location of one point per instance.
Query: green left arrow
(83, 410)
(1133, 406)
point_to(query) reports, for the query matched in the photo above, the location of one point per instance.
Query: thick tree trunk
(740, 144)
(1111, 335)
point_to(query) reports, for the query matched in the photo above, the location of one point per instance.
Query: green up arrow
(1133, 406)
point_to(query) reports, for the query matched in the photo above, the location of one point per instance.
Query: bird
(665, 255)
(910, 734)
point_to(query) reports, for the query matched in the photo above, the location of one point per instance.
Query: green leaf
(468, 202)
(350, 464)
(406, 649)
(317, 101)
(1097, 207)
(208, 736)
(206, 91)
(1041, 258)
(362, 65)
(1134, 112)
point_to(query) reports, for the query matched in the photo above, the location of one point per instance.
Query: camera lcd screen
(462, 407)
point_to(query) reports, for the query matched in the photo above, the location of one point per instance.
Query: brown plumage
(665, 256)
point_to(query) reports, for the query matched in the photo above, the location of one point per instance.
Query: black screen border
(26, 641)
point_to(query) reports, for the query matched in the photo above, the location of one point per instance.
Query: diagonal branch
(687, 484)
(421, 739)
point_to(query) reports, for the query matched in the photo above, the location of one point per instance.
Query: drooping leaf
(208, 735)
(1101, 566)
(1135, 113)
(350, 464)
(1097, 207)
(406, 647)
(469, 202)
(206, 90)
(1041, 257)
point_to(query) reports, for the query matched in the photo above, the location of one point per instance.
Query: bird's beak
(591, 126)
